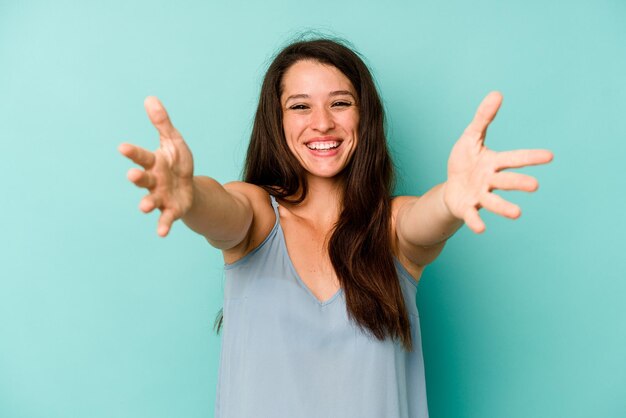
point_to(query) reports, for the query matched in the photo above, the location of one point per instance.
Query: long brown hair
(359, 247)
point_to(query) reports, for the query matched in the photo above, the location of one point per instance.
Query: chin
(327, 174)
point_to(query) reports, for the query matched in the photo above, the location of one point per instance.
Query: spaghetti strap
(275, 206)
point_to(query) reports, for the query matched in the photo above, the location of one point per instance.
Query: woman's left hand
(474, 171)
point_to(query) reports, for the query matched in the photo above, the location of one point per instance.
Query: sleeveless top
(285, 354)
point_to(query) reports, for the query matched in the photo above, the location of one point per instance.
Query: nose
(322, 120)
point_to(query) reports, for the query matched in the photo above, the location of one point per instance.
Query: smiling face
(320, 117)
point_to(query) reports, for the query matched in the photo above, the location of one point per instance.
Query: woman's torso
(289, 348)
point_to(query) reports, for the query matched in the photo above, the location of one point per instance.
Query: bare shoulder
(398, 202)
(258, 201)
(252, 192)
(398, 205)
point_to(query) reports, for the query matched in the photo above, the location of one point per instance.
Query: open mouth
(322, 146)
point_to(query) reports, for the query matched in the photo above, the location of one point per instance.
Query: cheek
(291, 132)
(351, 121)
(353, 130)
(291, 128)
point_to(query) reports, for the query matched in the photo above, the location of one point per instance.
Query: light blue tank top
(285, 354)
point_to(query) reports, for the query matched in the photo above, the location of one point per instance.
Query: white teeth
(322, 145)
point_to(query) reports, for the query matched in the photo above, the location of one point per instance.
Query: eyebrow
(331, 94)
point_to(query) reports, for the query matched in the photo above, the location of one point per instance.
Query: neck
(322, 204)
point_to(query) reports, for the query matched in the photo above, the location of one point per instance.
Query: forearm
(426, 221)
(217, 214)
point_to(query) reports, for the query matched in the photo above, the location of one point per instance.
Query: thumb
(159, 117)
(485, 113)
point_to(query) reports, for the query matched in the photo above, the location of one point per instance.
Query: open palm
(474, 171)
(167, 172)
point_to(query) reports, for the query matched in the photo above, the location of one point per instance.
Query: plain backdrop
(99, 317)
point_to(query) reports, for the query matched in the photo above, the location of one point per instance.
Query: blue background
(99, 317)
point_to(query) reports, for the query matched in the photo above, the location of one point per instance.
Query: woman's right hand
(167, 172)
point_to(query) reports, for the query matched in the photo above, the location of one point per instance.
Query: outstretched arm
(222, 217)
(474, 171)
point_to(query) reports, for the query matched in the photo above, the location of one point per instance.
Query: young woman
(322, 263)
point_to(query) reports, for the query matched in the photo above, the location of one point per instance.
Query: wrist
(194, 198)
(443, 202)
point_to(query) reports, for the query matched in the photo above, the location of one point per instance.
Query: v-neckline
(295, 272)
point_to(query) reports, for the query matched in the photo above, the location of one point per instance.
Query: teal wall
(99, 317)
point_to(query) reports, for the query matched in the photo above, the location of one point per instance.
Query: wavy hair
(360, 245)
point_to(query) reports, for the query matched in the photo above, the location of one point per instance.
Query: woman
(322, 263)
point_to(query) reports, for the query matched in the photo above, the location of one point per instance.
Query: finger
(149, 203)
(513, 181)
(522, 157)
(166, 220)
(141, 178)
(473, 221)
(138, 155)
(494, 203)
(485, 113)
(159, 117)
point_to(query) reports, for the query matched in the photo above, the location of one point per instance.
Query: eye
(298, 107)
(342, 103)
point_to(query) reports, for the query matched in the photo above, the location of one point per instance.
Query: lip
(325, 153)
(324, 139)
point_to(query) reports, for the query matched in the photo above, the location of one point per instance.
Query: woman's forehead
(313, 78)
